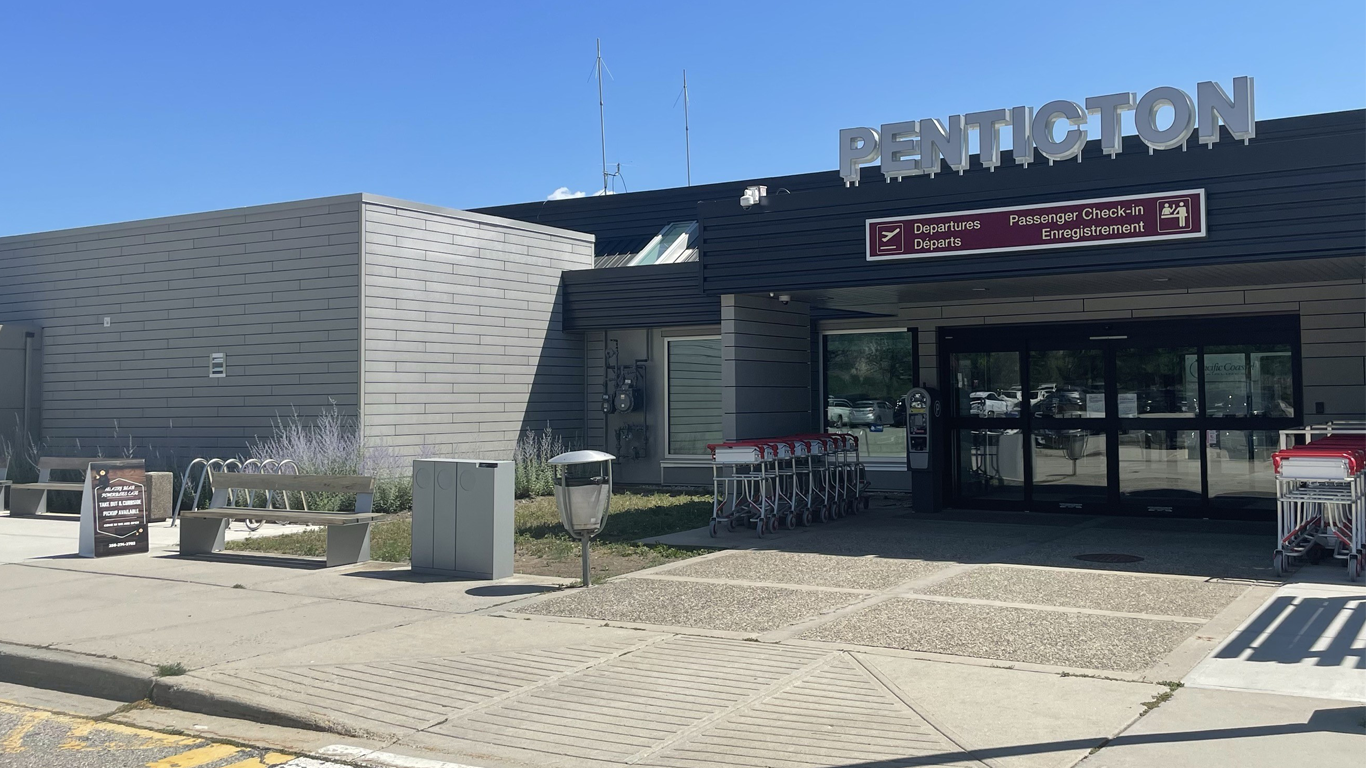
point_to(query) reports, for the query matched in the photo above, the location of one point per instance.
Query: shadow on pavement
(1346, 720)
(1300, 624)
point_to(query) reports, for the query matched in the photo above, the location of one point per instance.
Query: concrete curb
(195, 694)
(113, 679)
(129, 681)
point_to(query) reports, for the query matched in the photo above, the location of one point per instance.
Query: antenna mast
(602, 120)
(687, 135)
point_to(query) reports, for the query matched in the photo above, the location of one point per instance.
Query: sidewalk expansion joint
(768, 691)
(934, 723)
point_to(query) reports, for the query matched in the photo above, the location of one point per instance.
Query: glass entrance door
(1118, 418)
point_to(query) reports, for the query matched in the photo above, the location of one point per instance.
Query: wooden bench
(348, 533)
(31, 498)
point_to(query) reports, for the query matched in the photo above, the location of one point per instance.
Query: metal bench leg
(201, 535)
(27, 501)
(347, 544)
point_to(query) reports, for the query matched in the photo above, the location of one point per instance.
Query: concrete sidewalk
(962, 644)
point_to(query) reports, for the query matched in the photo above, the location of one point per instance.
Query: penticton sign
(924, 147)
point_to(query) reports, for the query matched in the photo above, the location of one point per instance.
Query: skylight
(674, 243)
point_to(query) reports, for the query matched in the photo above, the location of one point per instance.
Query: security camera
(784, 299)
(752, 195)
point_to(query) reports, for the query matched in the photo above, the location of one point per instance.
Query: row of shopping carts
(1321, 495)
(791, 480)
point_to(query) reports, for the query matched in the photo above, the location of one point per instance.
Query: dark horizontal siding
(1296, 191)
(637, 297)
(625, 223)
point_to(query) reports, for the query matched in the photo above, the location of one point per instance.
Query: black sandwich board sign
(114, 508)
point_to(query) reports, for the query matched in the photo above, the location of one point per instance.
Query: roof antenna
(687, 136)
(598, 68)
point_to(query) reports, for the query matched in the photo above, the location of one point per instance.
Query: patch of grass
(1161, 698)
(542, 546)
(171, 670)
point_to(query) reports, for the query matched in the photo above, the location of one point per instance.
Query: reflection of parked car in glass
(1061, 403)
(870, 412)
(990, 404)
(837, 411)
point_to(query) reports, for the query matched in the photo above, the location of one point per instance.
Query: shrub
(535, 476)
(332, 444)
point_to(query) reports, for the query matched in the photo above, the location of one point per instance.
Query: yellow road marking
(79, 729)
(264, 761)
(196, 757)
(14, 740)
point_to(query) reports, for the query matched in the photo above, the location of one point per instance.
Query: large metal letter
(1236, 113)
(1072, 141)
(857, 146)
(1183, 117)
(1021, 143)
(988, 125)
(936, 141)
(1111, 125)
(900, 149)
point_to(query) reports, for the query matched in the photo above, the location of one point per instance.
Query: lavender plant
(332, 444)
(532, 455)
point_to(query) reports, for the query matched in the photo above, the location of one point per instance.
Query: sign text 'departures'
(1104, 221)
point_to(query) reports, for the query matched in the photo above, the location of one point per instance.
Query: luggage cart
(788, 500)
(858, 473)
(1321, 494)
(825, 478)
(742, 486)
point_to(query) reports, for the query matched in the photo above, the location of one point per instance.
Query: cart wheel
(791, 520)
(806, 517)
(730, 524)
(1354, 568)
(825, 515)
(761, 527)
(712, 529)
(1278, 562)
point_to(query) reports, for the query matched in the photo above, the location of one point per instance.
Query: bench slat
(51, 486)
(283, 516)
(250, 481)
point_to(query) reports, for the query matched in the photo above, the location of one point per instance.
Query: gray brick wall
(275, 287)
(463, 343)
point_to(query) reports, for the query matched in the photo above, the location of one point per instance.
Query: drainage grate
(1109, 557)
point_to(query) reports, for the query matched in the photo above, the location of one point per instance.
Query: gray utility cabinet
(462, 517)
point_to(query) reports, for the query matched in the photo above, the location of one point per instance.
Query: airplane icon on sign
(889, 237)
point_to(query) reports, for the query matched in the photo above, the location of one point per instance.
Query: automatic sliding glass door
(1116, 419)
(1068, 419)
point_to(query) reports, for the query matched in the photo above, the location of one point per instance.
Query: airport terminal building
(1112, 330)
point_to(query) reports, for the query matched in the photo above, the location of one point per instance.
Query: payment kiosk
(923, 412)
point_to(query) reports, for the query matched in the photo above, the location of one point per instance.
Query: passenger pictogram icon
(1174, 214)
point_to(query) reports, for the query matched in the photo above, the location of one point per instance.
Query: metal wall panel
(274, 287)
(464, 342)
(1297, 191)
(638, 297)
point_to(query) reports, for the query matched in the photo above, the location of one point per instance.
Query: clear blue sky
(117, 111)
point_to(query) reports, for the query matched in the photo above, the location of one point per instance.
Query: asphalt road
(35, 738)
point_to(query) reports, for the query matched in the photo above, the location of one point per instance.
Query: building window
(866, 376)
(694, 395)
